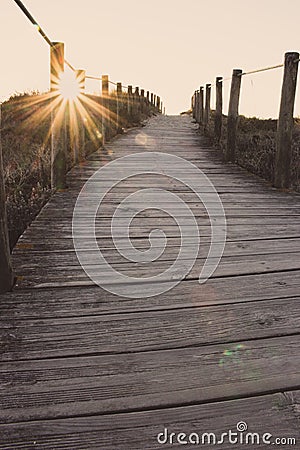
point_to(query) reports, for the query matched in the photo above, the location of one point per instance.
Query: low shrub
(25, 134)
(256, 146)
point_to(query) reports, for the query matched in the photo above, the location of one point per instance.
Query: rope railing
(108, 113)
(89, 77)
(33, 21)
(52, 44)
(223, 80)
(58, 61)
(277, 66)
(40, 30)
(201, 113)
(264, 69)
(261, 70)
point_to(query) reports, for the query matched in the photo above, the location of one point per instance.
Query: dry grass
(26, 153)
(26, 157)
(256, 146)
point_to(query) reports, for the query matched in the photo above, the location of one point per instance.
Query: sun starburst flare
(69, 86)
(66, 106)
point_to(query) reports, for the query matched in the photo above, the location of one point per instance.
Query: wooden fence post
(58, 136)
(142, 100)
(129, 104)
(233, 114)
(207, 106)
(201, 105)
(148, 102)
(151, 99)
(105, 115)
(196, 106)
(219, 109)
(285, 124)
(137, 103)
(199, 111)
(193, 105)
(158, 103)
(105, 85)
(6, 273)
(79, 139)
(119, 100)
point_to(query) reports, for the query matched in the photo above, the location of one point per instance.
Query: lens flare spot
(141, 139)
(240, 347)
(235, 356)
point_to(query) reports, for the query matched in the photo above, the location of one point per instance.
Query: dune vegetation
(25, 135)
(256, 146)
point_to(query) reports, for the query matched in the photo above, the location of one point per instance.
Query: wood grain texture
(285, 123)
(146, 331)
(67, 302)
(61, 275)
(276, 413)
(82, 368)
(55, 388)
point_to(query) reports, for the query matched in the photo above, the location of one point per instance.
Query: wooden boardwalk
(85, 369)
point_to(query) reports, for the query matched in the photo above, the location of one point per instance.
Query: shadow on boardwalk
(85, 369)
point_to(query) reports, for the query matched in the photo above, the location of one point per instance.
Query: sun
(67, 107)
(68, 86)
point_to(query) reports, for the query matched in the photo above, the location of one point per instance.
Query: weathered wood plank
(144, 331)
(274, 413)
(62, 275)
(86, 301)
(234, 232)
(59, 388)
(26, 257)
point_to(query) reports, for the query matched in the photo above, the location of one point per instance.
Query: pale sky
(169, 47)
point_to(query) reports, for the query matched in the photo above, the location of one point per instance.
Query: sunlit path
(87, 369)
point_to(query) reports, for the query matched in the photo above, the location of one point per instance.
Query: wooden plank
(234, 232)
(239, 256)
(106, 211)
(273, 413)
(86, 301)
(69, 258)
(145, 331)
(241, 200)
(231, 266)
(59, 388)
